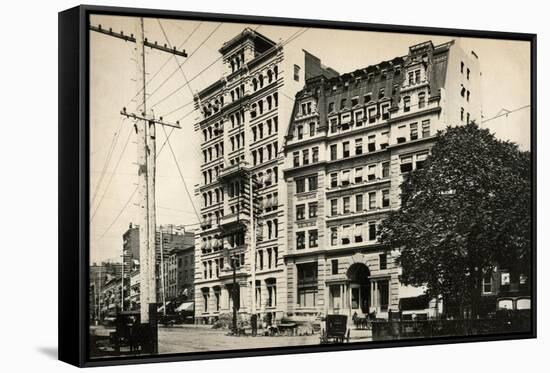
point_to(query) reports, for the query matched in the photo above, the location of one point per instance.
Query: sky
(505, 85)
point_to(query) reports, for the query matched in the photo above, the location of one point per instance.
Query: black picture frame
(74, 190)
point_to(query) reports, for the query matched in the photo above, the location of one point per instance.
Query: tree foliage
(468, 208)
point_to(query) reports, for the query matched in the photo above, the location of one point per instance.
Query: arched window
(255, 84)
(276, 71)
(269, 76)
(261, 78)
(269, 102)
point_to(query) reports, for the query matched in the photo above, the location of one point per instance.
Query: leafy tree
(466, 209)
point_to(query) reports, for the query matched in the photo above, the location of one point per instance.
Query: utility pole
(146, 156)
(252, 243)
(163, 284)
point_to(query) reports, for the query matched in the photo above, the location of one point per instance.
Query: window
(345, 152)
(467, 118)
(343, 103)
(406, 164)
(271, 285)
(334, 266)
(296, 157)
(461, 114)
(205, 298)
(333, 180)
(313, 238)
(383, 259)
(358, 146)
(421, 100)
(372, 200)
(333, 236)
(333, 125)
(359, 175)
(333, 207)
(305, 156)
(385, 169)
(462, 67)
(468, 74)
(385, 112)
(312, 210)
(300, 185)
(372, 143)
(413, 131)
(331, 107)
(346, 205)
(300, 130)
(406, 104)
(487, 283)
(368, 98)
(312, 129)
(381, 93)
(358, 233)
(372, 114)
(358, 202)
(345, 177)
(297, 73)
(354, 102)
(315, 155)
(468, 96)
(307, 284)
(372, 231)
(386, 198)
(425, 128)
(420, 160)
(300, 240)
(333, 152)
(383, 294)
(359, 118)
(300, 212)
(312, 183)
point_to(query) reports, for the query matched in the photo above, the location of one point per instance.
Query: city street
(191, 338)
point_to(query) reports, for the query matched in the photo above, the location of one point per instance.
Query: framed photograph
(237, 185)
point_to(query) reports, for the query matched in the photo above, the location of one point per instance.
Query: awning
(186, 306)
(162, 307)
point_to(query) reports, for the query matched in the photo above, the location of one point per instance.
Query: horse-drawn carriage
(336, 330)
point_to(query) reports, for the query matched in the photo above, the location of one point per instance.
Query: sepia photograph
(259, 186)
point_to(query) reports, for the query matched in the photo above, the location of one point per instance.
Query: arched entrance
(359, 288)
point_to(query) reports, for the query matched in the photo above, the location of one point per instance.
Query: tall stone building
(351, 140)
(244, 115)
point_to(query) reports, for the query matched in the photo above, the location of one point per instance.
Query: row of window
(312, 184)
(237, 141)
(213, 152)
(313, 239)
(271, 76)
(269, 178)
(269, 260)
(212, 131)
(270, 153)
(343, 205)
(309, 156)
(257, 108)
(270, 229)
(462, 116)
(212, 197)
(311, 211)
(216, 243)
(271, 127)
(210, 175)
(357, 175)
(358, 146)
(350, 234)
(462, 66)
(413, 131)
(412, 162)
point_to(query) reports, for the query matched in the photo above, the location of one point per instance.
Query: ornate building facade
(244, 115)
(351, 140)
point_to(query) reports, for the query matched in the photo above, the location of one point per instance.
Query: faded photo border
(87, 13)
